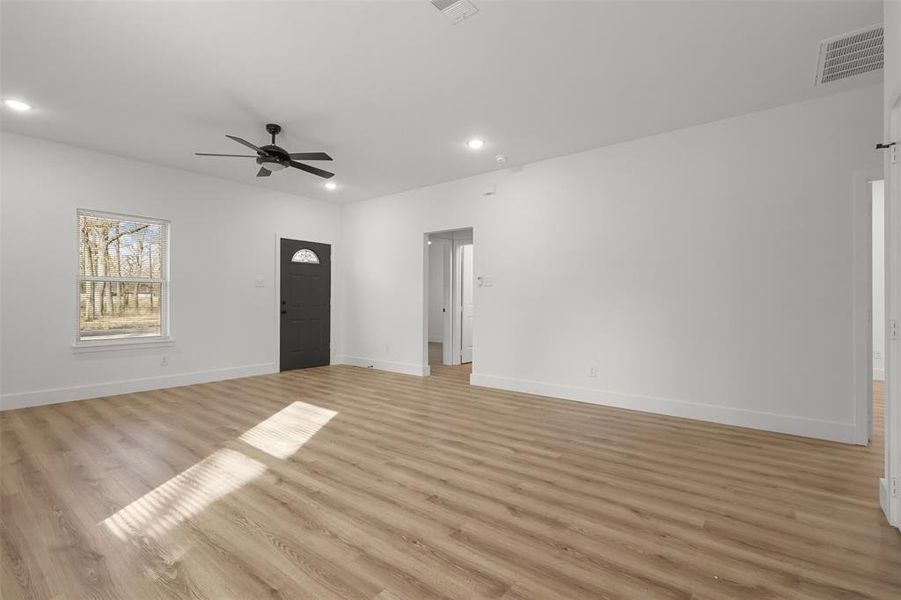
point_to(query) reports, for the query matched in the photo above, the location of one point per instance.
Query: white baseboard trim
(114, 388)
(436, 340)
(385, 365)
(879, 374)
(825, 430)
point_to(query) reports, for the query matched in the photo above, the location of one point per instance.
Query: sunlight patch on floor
(185, 495)
(282, 434)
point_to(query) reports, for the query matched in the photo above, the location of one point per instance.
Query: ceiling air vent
(850, 54)
(455, 10)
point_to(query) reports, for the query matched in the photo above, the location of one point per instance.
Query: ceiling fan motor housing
(276, 157)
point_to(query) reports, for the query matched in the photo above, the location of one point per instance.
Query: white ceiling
(392, 90)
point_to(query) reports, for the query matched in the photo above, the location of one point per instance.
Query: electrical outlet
(893, 329)
(592, 371)
(260, 282)
(164, 361)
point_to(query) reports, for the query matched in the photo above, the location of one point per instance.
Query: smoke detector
(455, 10)
(850, 54)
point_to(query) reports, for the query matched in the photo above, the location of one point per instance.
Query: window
(123, 277)
(305, 255)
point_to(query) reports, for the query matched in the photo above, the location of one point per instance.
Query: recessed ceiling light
(475, 144)
(331, 185)
(16, 104)
(500, 158)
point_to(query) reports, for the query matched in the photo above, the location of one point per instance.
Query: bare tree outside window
(122, 277)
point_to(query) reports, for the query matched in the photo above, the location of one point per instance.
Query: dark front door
(306, 297)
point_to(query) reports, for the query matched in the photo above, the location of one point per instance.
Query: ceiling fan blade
(234, 155)
(246, 143)
(310, 156)
(264, 172)
(310, 169)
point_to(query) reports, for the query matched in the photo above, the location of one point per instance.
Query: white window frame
(164, 339)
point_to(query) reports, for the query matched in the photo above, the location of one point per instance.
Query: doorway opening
(877, 397)
(450, 281)
(874, 338)
(305, 290)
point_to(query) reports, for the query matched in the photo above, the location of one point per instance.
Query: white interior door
(467, 282)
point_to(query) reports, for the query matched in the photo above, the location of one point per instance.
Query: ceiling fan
(274, 158)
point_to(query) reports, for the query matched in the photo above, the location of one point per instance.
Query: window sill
(116, 345)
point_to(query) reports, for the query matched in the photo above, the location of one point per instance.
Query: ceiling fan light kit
(275, 158)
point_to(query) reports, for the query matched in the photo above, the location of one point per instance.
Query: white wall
(878, 280)
(223, 239)
(892, 72)
(437, 295)
(706, 272)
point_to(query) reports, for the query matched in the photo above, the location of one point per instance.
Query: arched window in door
(305, 255)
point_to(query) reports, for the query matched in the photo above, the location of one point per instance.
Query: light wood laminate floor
(340, 482)
(457, 373)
